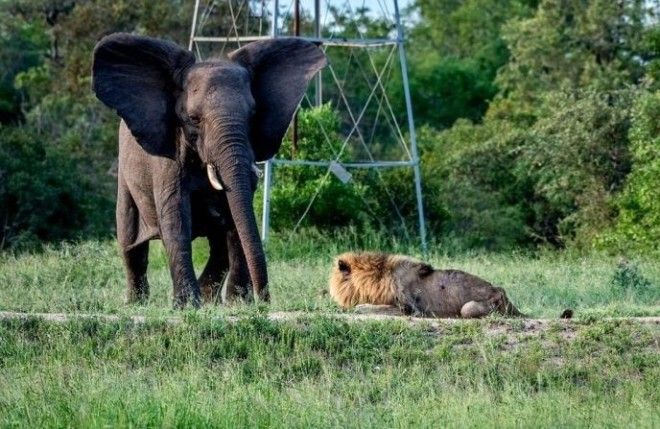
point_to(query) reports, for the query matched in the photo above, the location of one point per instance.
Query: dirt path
(514, 331)
(494, 326)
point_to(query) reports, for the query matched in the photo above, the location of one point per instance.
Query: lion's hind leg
(475, 309)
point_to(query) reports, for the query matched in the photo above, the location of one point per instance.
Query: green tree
(571, 46)
(638, 220)
(23, 45)
(66, 135)
(577, 157)
(454, 53)
(45, 192)
(473, 196)
(553, 151)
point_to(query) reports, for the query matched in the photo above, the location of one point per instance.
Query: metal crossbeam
(370, 164)
(354, 43)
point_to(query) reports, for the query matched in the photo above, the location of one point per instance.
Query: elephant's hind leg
(135, 256)
(210, 281)
(237, 286)
(137, 285)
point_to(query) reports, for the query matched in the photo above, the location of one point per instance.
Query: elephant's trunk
(230, 156)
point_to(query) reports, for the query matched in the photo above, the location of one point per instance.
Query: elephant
(189, 136)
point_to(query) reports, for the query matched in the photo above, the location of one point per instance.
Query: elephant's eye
(195, 119)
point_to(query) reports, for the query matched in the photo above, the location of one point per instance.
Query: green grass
(320, 371)
(88, 277)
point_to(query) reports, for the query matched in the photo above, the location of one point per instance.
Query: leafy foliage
(461, 89)
(472, 187)
(314, 196)
(45, 194)
(577, 158)
(638, 220)
(56, 166)
(553, 152)
(457, 49)
(628, 279)
(571, 46)
(539, 123)
(335, 203)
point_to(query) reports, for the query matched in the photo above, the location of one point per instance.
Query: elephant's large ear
(281, 70)
(137, 76)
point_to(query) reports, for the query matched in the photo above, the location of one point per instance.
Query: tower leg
(411, 127)
(265, 216)
(194, 26)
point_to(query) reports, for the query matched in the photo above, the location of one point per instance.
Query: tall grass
(88, 277)
(320, 372)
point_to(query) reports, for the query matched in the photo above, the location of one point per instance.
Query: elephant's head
(232, 112)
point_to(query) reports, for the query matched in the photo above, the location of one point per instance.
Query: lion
(386, 282)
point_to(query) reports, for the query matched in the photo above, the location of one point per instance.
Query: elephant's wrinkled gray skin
(186, 129)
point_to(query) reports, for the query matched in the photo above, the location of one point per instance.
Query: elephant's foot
(264, 295)
(236, 289)
(185, 285)
(136, 261)
(186, 292)
(137, 292)
(210, 281)
(211, 289)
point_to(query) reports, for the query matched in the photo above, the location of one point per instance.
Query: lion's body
(416, 288)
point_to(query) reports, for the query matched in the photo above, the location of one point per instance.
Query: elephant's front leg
(176, 233)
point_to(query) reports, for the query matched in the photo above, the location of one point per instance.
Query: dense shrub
(638, 219)
(501, 185)
(577, 157)
(334, 203)
(321, 197)
(44, 193)
(472, 195)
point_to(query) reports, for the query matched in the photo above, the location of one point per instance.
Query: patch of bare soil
(494, 326)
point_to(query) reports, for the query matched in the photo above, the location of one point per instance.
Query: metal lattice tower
(219, 26)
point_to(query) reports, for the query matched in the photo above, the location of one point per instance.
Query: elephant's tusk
(213, 178)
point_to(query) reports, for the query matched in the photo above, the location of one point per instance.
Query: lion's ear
(425, 270)
(344, 267)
